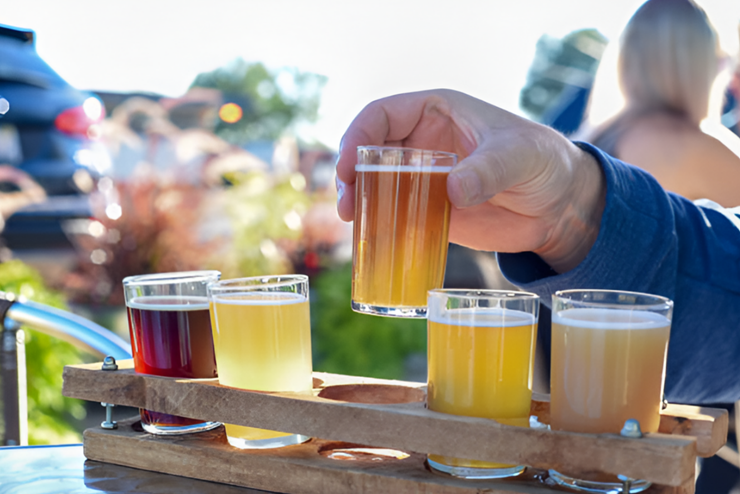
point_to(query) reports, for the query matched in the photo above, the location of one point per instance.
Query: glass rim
(653, 301)
(408, 149)
(253, 283)
(171, 278)
(475, 294)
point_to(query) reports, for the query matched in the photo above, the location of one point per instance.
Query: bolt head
(109, 363)
(631, 429)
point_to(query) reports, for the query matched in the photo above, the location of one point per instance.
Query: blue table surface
(64, 469)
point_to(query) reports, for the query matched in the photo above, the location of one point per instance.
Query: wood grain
(297, 469)
(660, 458)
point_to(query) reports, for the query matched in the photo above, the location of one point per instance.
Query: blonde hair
(668, 61)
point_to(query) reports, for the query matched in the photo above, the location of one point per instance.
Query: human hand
(519, 186)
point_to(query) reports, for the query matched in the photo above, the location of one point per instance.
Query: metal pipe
(78, 331)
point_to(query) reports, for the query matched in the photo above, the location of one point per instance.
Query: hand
(519, 186)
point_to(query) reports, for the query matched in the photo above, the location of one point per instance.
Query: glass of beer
(608, 365)
(481, 346)
(170, 329)
(262, 335)
(402, 218)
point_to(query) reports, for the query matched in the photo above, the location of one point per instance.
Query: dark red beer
(171, 336)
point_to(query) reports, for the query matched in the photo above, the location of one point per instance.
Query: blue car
(49, 132)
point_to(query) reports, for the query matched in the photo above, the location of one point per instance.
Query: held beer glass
(170, 331)
(262, 335)
(481, 346)
(402, 217)
(608, 365)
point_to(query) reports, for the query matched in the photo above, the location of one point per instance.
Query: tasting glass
(608, 365)
(481, 346)
(171, 336)
(402, 218)
(262, 336)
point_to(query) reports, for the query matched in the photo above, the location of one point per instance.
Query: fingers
(499, 163)
(401, 120)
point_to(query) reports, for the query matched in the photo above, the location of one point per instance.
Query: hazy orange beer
(608, 365)
(402, 217)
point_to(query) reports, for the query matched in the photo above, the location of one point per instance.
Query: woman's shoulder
(693, 161)
(658, 139)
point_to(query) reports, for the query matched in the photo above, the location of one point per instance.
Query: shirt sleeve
(653, 241)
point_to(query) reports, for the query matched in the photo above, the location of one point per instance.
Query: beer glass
(170, 331)
(402, 217)
(481, 346)
(262, 335)
(608, 365)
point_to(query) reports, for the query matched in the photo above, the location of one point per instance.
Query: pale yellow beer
(401, 227)
(607, 366)
(263, 343)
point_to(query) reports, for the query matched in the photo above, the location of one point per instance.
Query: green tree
(272, 101)
(572, 60)
(345, 342)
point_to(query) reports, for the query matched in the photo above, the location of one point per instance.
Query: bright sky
(367, 49)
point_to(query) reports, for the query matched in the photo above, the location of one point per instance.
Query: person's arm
(657, 242)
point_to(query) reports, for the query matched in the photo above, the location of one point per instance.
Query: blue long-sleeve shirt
(657, 242)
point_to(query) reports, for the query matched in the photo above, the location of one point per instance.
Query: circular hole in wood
(376, 394)
(341, 451)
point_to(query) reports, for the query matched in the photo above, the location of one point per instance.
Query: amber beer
(402, 217)
(607, 366)
(480, 358)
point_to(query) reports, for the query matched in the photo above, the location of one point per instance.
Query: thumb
(490, 169)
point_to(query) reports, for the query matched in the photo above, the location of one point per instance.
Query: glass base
(476, 473)
(272, 442)
(598, 487)
(408, 312)
(175, 430)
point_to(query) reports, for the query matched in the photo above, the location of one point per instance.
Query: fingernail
(340, 188)
(469, 187)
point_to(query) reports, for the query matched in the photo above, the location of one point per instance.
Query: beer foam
(260, 298)
(403, 168)
(484, 317)
(603, 319)
(180, 303)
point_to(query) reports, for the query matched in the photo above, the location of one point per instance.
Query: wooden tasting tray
(373, 413)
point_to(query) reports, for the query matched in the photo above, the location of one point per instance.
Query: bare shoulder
(691, 161)
(658, 141)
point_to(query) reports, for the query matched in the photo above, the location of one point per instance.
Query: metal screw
(109, 422)
(631, 429)
(109, 363)
(626, 486)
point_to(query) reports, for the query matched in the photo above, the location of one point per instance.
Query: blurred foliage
(272, 101)
(558, 63)
(50, 415)
(346, 342)
(156, 232)
(265, 212)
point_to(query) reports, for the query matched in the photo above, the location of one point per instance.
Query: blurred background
(146, 137)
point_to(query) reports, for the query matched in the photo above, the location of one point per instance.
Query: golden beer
(480, 350)
(402, 217)
(263, 343)
(607, 366)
